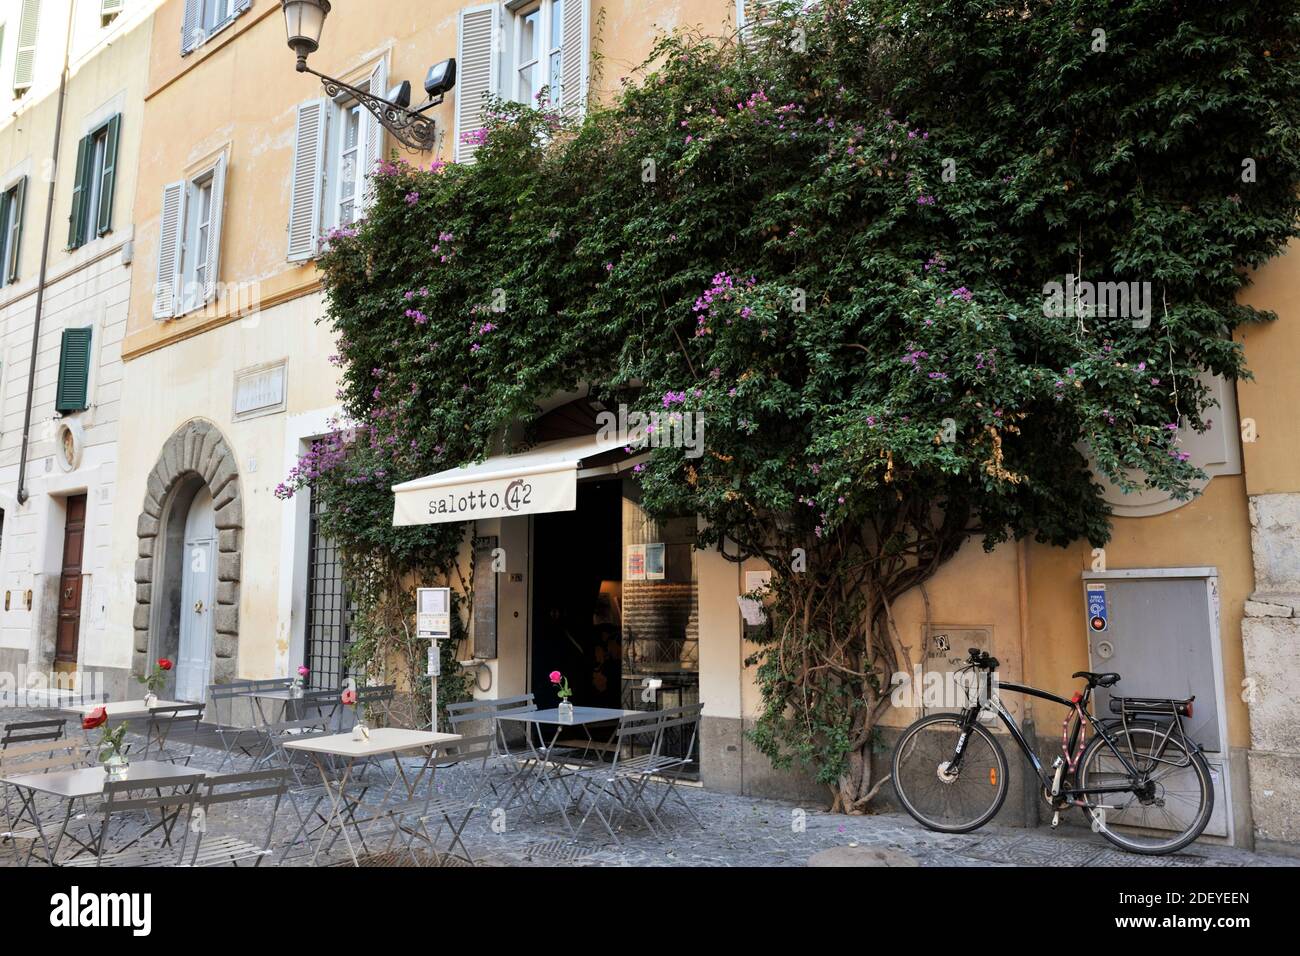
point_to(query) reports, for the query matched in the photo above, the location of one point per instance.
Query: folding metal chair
(665, 768)
(376, 701)
(229, 849)
(306, 790)
(32, 731)
(126, 798)
(618, 785)
(172, 724)
(223, 697)
(512, 764)
(412, 818)
(323, 704)
(21, 813)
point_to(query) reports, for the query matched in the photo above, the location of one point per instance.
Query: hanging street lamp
(304, 21)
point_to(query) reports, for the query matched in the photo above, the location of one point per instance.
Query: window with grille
(329, 610)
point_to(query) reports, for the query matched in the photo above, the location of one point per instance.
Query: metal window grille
(329, 610)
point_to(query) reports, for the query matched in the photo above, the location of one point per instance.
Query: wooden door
(74, 540)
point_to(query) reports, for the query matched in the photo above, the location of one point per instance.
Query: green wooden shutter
(105, 223)
(74, 371)
(76, 234)
(6, 204)
(15, 237)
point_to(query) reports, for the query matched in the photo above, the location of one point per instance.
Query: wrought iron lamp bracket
(412, 129)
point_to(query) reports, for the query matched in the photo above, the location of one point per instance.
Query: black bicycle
(1139, 781)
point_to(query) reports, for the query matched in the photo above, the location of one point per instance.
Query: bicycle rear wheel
(1165, 815)
(938, 798)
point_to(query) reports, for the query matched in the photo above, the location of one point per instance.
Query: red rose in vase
(96, 718)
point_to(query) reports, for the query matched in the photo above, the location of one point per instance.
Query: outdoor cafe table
(121, 711)
(127, 710)
(384, 741)
(550, 779)
(71, 786)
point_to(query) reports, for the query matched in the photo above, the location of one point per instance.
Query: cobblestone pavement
(736, 831)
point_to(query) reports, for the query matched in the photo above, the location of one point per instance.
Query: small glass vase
(295, 689)
(360, 732)
(150, 700)
(116, 766)
(566, 711)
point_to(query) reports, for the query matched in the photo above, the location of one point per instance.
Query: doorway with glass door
(198, 587)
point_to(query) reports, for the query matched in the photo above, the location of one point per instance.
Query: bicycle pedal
(1056, 819)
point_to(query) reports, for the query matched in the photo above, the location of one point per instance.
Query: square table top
(581, 715)
(89, 781)
(123, 709)
(383, 740)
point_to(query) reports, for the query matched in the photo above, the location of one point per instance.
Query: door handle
(198, 607)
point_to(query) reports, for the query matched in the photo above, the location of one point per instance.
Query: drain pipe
(1030, 784)
(45, 262)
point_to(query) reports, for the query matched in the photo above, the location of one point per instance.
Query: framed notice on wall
(654, 561)
(485, 598)
(634, 564)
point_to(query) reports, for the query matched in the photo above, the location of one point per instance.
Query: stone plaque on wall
(947, 647)
(485, 599)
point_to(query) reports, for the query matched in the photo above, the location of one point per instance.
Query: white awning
(542, 479)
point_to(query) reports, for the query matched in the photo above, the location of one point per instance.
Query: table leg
(336, 805)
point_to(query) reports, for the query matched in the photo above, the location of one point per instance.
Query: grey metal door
(1162, 638)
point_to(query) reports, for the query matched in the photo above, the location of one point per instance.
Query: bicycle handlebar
(982, 659)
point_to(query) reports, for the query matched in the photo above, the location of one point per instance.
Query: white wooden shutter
(476, 67)
(191, 26)
(170, 226)
(308, 179)
(110, 7)
(214, 229)
(575, 57)
(374, 143)
(25, 60)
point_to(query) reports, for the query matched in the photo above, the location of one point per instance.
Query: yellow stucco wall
(1273, 460)
(239, 92)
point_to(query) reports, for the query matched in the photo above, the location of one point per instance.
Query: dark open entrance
(615, 606)
(576, 575)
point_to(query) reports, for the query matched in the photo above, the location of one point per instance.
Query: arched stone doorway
(187, 573)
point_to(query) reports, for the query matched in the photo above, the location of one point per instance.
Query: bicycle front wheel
(937, 796)
(1172, 796)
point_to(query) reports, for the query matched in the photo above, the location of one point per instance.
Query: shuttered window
(373, 147)
(336, 147)
(12, 204)
(203, 18)
(189, 242)
(308, 179)
(74, 371)
(476, 64)
(25, 59)
(109, 9)
(166, 293)
(91, 215)
(549, 50)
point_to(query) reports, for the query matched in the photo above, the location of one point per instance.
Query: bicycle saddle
(1097, 680)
